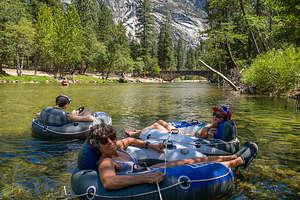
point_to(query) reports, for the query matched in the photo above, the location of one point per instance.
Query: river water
(39, 169)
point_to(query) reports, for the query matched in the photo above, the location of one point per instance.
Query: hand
(154, 177)
(215, 124)
(74, 112)
(158, 147)
(80, 109)
(90, 118)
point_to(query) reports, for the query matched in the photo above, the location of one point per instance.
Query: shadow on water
(35, 164)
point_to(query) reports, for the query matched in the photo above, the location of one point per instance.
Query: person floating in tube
(58, 115)
(104, 153)
(220, 114)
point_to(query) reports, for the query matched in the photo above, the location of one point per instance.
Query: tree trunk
(230, 54)
(257, 8)
(220, 74)
(255, 43)
(19, 66)
(251, 33)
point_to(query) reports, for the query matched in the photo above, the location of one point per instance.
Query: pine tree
(179, 54)
(105, 23)
(88, 11)
(165, 45)
(161, 47)
(68, 40)
(145, 26)
(45, 34)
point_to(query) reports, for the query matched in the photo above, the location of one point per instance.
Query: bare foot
(133, 133)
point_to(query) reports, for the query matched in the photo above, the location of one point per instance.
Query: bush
(275, 72)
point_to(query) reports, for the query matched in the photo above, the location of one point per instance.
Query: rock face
(188, 16)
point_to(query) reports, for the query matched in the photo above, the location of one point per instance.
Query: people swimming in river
(103, 152)
(57, 114)
(210, 130)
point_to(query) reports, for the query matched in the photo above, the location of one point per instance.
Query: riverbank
(40, 76)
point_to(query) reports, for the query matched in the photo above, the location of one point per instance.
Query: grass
(42, 79)
(28, 78)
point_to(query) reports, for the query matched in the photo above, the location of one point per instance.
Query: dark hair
(97, 132)
(62, 100)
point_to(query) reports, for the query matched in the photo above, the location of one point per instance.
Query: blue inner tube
(206, 180)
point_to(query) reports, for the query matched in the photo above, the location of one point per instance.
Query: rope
(165, 153)
(158, 188)
(151, 192)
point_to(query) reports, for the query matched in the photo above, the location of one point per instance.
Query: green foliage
(45, 33)
(12, 11)
(19, 39)
(105, 23)
(145, 27)
(165, 50)
(179, 54)
(275, 72)
(88, 12)
(68, 39)
(151, 66)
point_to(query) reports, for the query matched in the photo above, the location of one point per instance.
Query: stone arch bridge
(171, 75)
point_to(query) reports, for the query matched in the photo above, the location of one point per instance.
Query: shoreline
(112, 78)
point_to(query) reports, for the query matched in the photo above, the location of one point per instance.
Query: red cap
(226, 112)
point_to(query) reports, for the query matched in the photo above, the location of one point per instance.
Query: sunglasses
(105, 141)
(218, 115)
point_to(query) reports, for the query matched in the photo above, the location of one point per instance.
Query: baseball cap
(62, 99)
(226, 112)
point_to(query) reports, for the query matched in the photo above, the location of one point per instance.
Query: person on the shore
(106, 154)
(58, 116)
(210, 130)
(65, 82)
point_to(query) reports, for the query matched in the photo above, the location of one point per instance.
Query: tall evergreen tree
(179, 54)
(105, 23)
(190, 59)
(88, 11)
(165, 45)
(45, 34)
(161, 46)
(68, 40)
(145, 26)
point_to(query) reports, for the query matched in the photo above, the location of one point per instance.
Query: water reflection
(43, 167)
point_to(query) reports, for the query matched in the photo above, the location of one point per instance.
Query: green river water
(39, 169)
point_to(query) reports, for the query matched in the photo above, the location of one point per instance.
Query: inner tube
(207, 180)
(207, 146)
(73, 130)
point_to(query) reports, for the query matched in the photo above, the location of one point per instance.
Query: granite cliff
(188, 16)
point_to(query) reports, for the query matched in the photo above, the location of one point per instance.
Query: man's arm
(123, 144)
(205, 133)
(78, 118)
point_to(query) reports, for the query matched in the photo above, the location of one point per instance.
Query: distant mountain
(188, 16)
